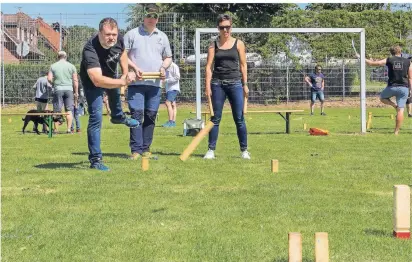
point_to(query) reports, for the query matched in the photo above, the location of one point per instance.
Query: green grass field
(54, 208)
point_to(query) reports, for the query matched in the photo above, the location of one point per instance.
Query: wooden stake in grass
(198, 138)
(401, 211)
(392, 116)
(321, 247)
(275, 166)
(145, 163)
(305, 126)
(295, 247)
(349, 117)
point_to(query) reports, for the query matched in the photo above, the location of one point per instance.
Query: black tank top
(226, 65)
(398, 70)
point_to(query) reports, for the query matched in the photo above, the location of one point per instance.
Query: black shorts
(41, 100)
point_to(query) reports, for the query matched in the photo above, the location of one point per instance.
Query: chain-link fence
(29, 45)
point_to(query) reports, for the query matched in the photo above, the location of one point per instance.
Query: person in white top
(172, 90)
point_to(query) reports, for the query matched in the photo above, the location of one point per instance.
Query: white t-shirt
(173, 77)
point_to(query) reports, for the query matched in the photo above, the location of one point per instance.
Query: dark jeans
(94, 98)
(234, 92)
(143, 103)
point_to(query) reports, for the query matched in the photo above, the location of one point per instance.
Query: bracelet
(244, 83)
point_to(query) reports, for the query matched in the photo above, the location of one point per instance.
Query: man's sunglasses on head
(152, 15)
(225, 27)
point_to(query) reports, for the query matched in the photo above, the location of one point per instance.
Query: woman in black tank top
(228, 80)
(400, 77)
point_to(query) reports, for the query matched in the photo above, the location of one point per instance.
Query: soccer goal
(201, 44)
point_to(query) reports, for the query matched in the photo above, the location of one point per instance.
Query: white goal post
(361, 32)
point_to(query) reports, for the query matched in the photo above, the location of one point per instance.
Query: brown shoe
(135, 156)
(78, 130)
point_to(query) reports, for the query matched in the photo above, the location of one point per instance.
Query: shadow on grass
(159, 210)
(118, 155)
(79, 165)
(377, 232)
(267, 133)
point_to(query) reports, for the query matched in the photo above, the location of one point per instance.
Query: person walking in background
(63, 75)
(43, 92)
(228, 79)
(316, 81)
(172, 90)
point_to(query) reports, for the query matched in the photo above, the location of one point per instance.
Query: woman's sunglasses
(224, 27)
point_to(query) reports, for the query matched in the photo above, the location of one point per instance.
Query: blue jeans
(94, 98)
(234, 92)
(76, 114)
(143, 103)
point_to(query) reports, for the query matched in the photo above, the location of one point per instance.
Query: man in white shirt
(172, 90)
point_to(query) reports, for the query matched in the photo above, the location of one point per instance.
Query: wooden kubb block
(275, 166)
(295, 247)
(145, 163)
(402, 211)
(321, 247)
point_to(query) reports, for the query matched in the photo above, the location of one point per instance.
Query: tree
(192, 16)
(76, 39)
(383, 29)
(347, 7)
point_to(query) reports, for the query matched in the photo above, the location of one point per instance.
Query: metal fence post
(343, 80)
(60, 31)
(183, 39)
(2, 61)
(287, 84)
(174, 36)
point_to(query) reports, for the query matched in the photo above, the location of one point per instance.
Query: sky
(75, 13)
(71, 13)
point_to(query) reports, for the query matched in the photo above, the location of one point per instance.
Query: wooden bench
(49, 118)
(286, 117)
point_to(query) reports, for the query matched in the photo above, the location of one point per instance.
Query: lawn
(54, 208)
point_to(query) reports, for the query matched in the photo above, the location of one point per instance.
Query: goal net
(279, 58)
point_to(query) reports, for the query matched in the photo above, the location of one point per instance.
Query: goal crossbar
(360, 31)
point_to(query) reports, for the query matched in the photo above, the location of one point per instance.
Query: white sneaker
(210, 154)
(245, 154)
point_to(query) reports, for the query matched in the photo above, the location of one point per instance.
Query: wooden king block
(369, 122)
(295, 247)
(321, 247)
(402, 211)
(275, 165)
(145, 163)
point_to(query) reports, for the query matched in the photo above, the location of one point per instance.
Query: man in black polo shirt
(98, 74)
(400, 77)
